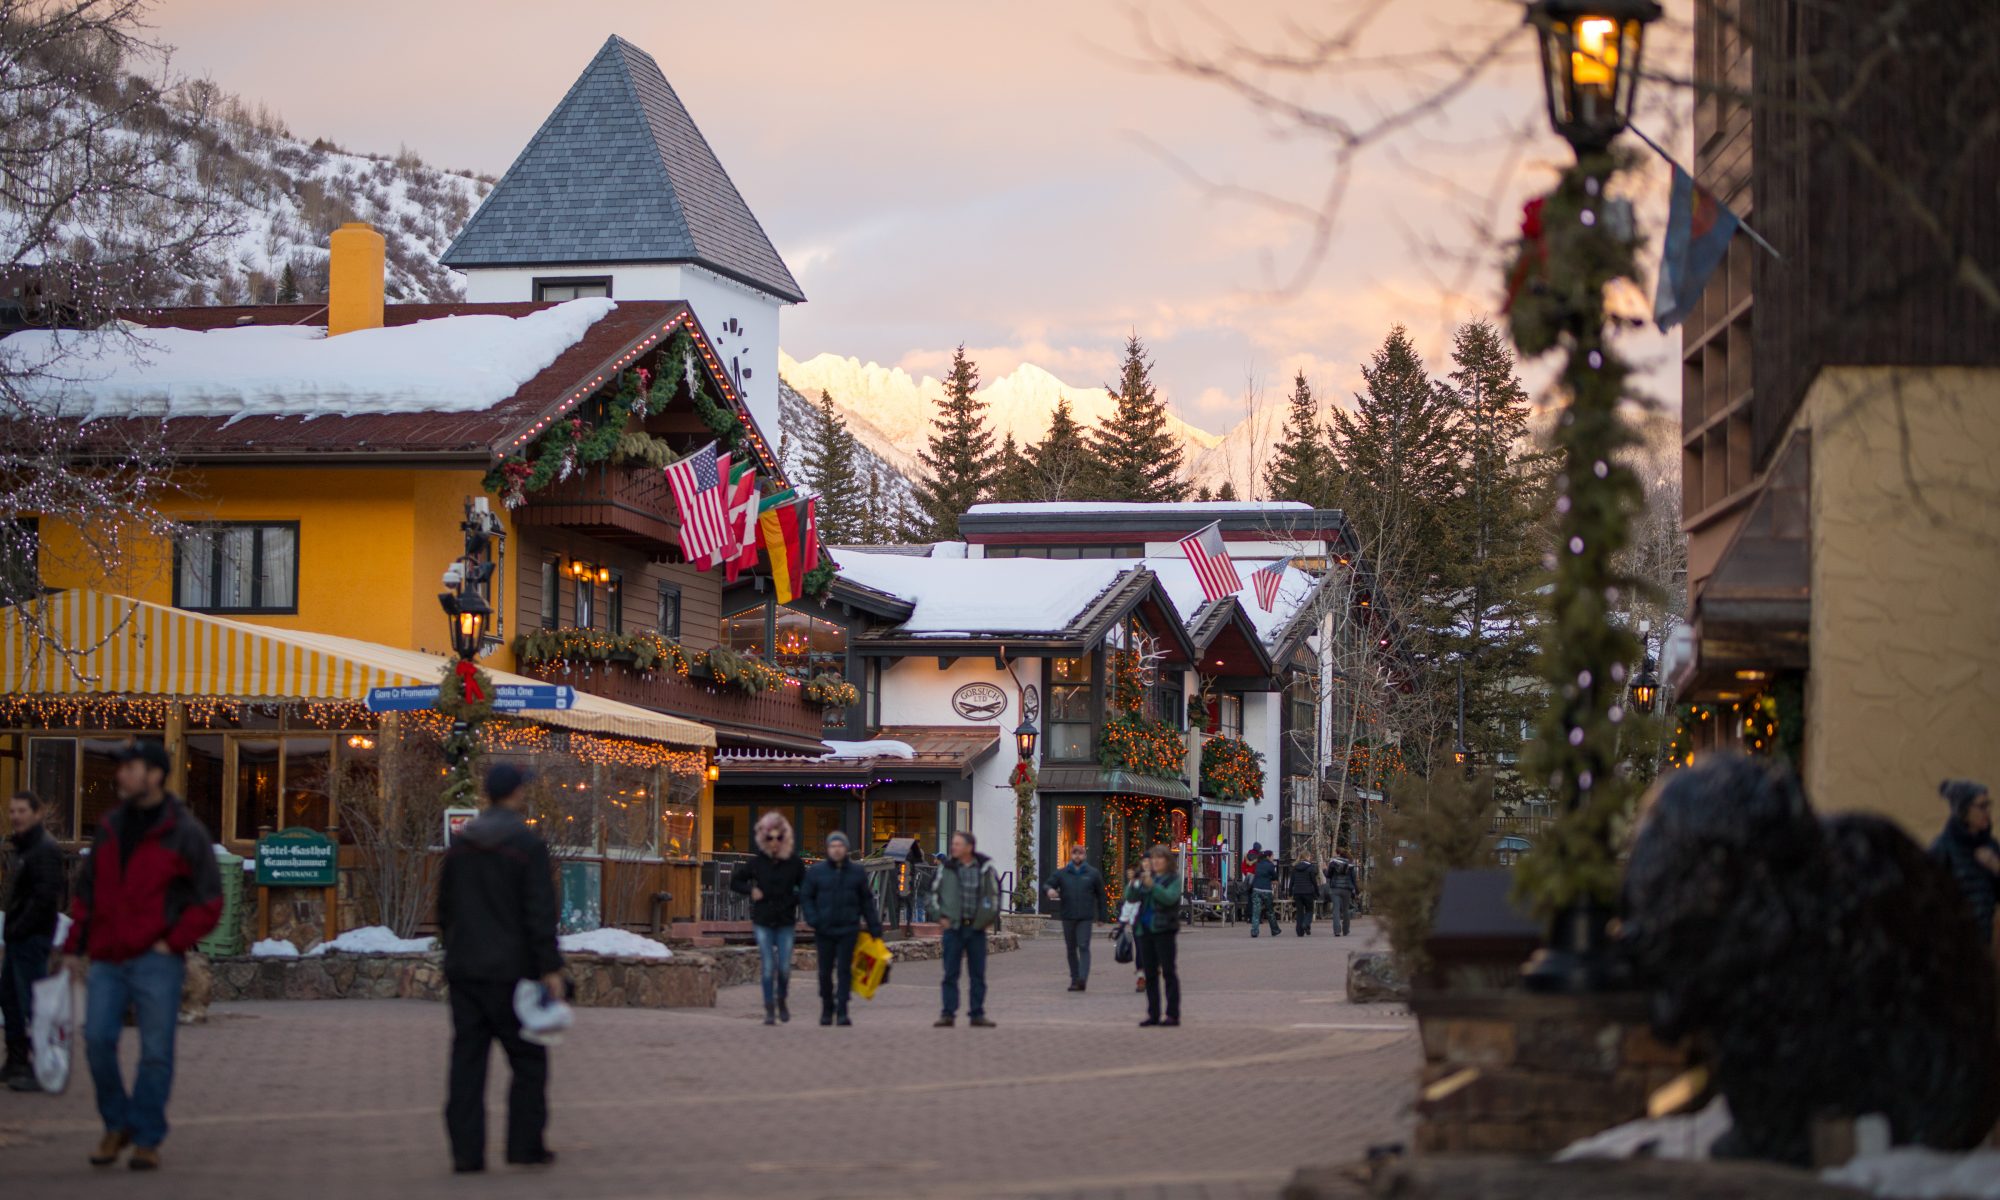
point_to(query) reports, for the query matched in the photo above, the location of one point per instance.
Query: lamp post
(1025, 736)
(1576, 241)
(468, 619)
(1645, 686)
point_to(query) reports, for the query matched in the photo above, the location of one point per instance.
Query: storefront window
(205, 782)
(809, 646)
(903, 818)
(627, 802)
(52, 773)
(308, 783)
(1070, 734)
(257, 762)
(100, 783)
(732, 829)
(743, 631)
(815, 822)
(1071, 829)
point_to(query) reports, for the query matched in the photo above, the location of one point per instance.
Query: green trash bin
(227, 937)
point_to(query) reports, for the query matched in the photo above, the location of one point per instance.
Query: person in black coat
(838, 903)
(1078, 890)
(35, 888)
(1966, 848)
(497, 921)
(1345, 887)
(771, 879)
(1305, 894)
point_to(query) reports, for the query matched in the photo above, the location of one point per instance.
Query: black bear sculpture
(1825, 966)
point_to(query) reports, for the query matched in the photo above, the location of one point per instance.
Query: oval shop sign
(979, 702)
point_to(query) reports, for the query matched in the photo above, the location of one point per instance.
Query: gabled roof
(1227, 640)
(619, 173)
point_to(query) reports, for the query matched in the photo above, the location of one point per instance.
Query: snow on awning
(463, 363)
(140, 649)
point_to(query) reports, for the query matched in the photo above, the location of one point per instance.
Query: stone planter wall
(734, 965)
(1516, 1073)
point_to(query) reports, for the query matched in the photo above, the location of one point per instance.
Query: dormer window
(558, 289)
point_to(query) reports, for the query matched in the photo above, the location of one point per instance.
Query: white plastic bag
(52, 1032)
(543, 1016)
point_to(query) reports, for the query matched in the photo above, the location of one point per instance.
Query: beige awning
(134, 648)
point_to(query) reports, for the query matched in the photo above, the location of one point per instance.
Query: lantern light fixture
(1025, 736)
(1645, 686)
(1590, 65)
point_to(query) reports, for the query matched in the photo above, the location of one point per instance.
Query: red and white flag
(696, 482)
(739, 493)
(1210, 560)
(1266, 581)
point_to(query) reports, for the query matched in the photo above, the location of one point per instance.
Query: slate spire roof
(619, 174)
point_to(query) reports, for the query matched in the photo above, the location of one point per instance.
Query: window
(1071, 732)
(809, 645)
(903, 818)
(668, 623)
(586, 596)
(238, 568)
(547, 290)
(1071, 829)
(743, 630)
(1230, 721)
(551, 593)
(1168, 700)
(614, 602)
(52, 773)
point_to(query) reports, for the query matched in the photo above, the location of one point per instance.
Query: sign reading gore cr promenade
(297, 858)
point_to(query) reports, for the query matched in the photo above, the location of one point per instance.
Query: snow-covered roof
(964, 597)
(1210, 508)
(1178, 578)
(450, 364)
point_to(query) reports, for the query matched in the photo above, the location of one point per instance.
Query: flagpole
(1740, 222)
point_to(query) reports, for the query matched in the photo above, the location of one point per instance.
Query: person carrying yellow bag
(871, 965)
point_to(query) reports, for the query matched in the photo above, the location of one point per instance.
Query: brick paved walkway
(1272, 1070)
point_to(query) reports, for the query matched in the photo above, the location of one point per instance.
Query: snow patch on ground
(612, 943)
(451, 364)
(274, 948)
(373, 939)
(1682, 1138)
(879, 748)
(1916, 1173)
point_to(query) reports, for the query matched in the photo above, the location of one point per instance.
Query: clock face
(732, 349)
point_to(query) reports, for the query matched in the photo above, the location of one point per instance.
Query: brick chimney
(354, 279)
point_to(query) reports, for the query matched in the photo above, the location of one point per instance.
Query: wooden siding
(701, 591)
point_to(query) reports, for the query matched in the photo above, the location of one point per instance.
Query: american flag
(1266, 581)
(1210, 560)
(697, 486)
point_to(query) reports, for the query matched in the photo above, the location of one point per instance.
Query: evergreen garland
(461, 744)
(1027, 881)
(1231, 769)
(648, 652)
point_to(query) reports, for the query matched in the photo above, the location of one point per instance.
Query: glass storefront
(1070, 712)
(903, 818)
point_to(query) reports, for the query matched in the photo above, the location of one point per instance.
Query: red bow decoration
(1534, 251)
(645, 380)
(1020, 773)
(468, 677)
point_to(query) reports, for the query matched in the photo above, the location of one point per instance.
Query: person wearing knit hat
(837, 902)
(1966, 848)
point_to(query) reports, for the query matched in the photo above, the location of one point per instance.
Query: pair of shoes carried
(145, 1158)
(110, 1147)
(944, 1022)
(1149, 1022)
(981, 1023)
(541, 1158)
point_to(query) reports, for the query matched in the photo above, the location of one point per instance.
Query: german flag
(778, 524)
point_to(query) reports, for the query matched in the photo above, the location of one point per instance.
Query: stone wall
(1515, 1073)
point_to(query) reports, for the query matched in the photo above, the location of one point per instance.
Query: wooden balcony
(624, 505)
(778, 718)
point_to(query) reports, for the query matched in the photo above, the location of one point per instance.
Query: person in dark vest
(1305, 893)
(1158, 891)
(1263, 904)
(838, 903)
(496, 918)
(1345, 886)
(1966, 848)
(149, 890)
(34, 899)
(1078, 890)
(771, 879)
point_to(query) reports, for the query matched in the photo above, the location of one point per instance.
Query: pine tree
(1061, 466)
(1205, 494)
(1502, 501)
(1301, 466)
(874, 527)
(827, 466)
(1138, 459)
(288, 286)
(1226, 493)
(1013, 475)
(959, 463)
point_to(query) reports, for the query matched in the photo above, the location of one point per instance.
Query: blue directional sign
(402, 699)
(507, 697)
(514, 697)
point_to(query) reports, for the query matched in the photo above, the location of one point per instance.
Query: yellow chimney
(354, 279)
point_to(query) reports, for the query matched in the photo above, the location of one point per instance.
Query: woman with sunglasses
(771, 879)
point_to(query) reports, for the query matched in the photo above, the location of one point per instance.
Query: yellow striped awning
(126, 647)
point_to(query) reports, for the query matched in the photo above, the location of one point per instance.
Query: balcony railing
(627, 505)
(780, 716)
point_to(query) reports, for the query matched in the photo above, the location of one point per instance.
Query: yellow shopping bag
(871, 964)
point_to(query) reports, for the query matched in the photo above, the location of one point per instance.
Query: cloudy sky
(1027, 178)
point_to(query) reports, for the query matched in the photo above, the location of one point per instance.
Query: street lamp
(1645, 686)
(1024, 739)
(467, 613)
(1590, 64)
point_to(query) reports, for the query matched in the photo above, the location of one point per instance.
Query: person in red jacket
(149, 890)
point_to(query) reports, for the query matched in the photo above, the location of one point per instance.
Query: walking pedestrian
(34, 899)
(966, 901)
(1263, 904)
(838, 902)
(1305, 886)
(1966, 848)
(1158, 891)
(1078, 890)
(771, 879)
(149, 890)
(1345, 886)
(1128, 923)
(496, 916)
